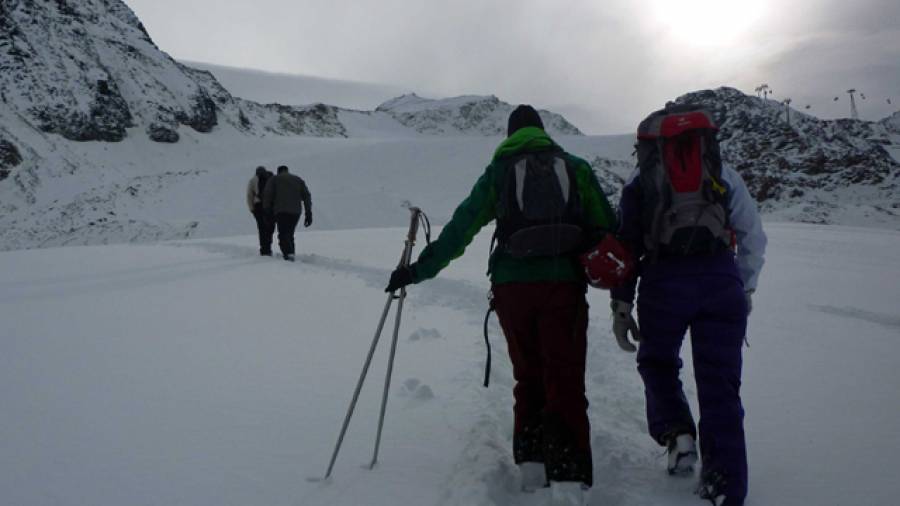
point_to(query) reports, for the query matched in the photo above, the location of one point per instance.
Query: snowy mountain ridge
(468, 114)
(88, 70)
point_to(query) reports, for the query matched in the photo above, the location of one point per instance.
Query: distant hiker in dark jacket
(265, 223)
(287, 197)
(701, 243)
(539, 298)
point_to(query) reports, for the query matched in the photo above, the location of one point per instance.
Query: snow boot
(712, 488)
(533, 475)
(289, 257)
(682, 455)
(568, 493)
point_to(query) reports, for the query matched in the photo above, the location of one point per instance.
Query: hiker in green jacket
(549, 207)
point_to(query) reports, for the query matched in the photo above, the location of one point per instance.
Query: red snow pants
(545, 324)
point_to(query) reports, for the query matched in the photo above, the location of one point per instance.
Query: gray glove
(623, 323)
(748, 296)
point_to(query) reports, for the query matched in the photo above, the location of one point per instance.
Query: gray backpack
(539, 209)
(680, 171)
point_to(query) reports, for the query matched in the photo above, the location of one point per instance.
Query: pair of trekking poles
(417, 217)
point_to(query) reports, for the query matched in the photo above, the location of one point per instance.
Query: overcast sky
(604, 64)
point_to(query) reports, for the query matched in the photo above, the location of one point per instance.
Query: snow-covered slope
(197, 373)
(139, 190)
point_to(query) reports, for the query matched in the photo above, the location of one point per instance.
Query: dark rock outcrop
(202, 114)
(314, 120)
(106, 117)
(9, 158)
(160, 133)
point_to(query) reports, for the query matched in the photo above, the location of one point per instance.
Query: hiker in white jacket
(264, 222)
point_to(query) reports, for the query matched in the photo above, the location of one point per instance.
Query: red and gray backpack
(685, 209)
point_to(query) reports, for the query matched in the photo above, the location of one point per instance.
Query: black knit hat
(523, 116)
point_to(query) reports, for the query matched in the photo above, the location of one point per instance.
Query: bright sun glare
(708, 23)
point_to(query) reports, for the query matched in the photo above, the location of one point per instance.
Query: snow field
(197, 373)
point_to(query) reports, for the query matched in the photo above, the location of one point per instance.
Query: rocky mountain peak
(783, 154)
(88, 70)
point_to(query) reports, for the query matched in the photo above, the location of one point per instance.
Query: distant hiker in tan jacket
(283, 197)
(265, 223)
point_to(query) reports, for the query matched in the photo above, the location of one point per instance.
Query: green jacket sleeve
(597, 209)
(476, 211)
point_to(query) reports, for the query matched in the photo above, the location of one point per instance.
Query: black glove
(401, 277)
(307, 221)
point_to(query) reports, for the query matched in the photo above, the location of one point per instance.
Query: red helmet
(608, 264)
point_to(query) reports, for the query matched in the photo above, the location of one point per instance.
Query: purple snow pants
(705, 295)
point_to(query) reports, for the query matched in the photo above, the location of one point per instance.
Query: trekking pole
(359, 384)
(404, 260)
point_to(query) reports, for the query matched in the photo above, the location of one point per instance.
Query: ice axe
(416, 217)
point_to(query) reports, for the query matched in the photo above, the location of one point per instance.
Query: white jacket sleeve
(747, 224)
